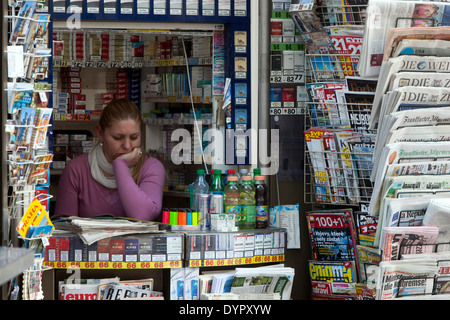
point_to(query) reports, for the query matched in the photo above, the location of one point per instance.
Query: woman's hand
(132, 157)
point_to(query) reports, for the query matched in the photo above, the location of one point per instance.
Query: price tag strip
(287, 111)
(236, 261)
(114, 265)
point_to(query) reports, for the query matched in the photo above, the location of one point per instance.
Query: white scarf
(99, 164)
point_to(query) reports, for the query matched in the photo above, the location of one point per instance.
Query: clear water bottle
(248, 205)
(242, 173)
(200, 186)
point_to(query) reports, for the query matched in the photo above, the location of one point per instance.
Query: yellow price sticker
(235, 261)
(114, 265)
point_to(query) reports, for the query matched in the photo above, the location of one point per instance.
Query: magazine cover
(332, 271)
(368, 259)
(332, 235)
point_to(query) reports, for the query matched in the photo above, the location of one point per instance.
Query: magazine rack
(344, 179)
(352, 14)
(331, 67)
(346, 184)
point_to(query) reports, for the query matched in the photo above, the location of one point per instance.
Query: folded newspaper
(91, 230)
(402, 152)
(397, 241)
(409, 118)
(398, 279)
(406, 63)
(383, 15)
(442, 280)
(418, 41)
(438, 214)
(264, 280)
(409, 187)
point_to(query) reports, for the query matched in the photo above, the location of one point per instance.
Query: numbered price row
(235, 261)
(287, 111)
(113, 265)
(71, 117)
(299, 78)
(59, 63)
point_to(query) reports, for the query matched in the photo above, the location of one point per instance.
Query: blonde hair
(118, 110)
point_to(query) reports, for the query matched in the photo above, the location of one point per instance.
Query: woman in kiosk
(115, 177)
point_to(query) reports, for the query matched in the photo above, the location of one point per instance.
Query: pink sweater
(80, 195)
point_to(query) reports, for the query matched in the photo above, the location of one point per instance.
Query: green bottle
(256, 172)
(248, 205)
(217, 184)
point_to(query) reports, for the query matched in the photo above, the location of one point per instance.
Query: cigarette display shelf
(197, 249)
(219, 249)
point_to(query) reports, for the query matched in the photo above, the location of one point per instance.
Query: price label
(79, 117)
(235, 261)
(286, 111)
(298, 78)
(113, 265)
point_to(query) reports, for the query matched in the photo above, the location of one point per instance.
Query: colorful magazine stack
(334, 269)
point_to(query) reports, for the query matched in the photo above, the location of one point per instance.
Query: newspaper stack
(384, 15)
(406, 278)
(262, 283)
(91, 230)
(265, 280)
(406, 49)
(416, 276)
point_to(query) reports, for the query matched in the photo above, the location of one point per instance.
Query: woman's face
(120, 138)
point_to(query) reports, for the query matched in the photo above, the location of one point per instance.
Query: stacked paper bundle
(410, 176)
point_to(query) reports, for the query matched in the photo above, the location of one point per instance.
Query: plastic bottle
(248, 207)
(256, 172)
(217, 184)
(232, 201)
(200, 186)
(242, 173)
(229, 172)
(262, 203)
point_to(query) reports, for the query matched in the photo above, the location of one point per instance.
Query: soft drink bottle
(217, 184)
(256, 172)
(262, 203)
(248, 207)
(232, 202)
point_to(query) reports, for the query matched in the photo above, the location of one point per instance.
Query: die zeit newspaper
(405, 63)
(332, 235)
